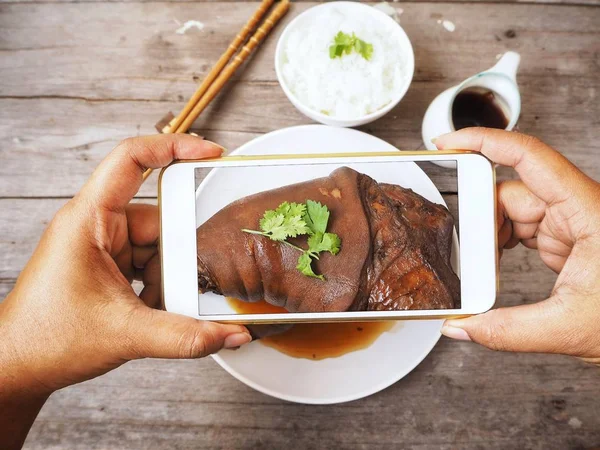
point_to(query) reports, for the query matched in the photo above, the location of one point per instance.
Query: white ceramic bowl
(350, 8)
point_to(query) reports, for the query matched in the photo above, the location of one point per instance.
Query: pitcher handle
(508, 65)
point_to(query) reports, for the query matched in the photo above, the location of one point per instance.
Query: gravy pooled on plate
(315, 340)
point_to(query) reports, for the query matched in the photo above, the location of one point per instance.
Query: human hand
(73, 314)
(555, 208)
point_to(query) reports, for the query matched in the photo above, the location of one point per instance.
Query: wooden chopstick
(204, 98)
(223, 60)
(228, 71)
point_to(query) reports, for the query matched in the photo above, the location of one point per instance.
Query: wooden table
(78, 76)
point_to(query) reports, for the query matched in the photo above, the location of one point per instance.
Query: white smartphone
(329, 237)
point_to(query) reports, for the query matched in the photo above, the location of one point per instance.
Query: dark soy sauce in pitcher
(479, 107)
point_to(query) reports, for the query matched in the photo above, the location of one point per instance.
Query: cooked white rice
(349, 87)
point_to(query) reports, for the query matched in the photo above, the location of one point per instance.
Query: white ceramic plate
(354, 375)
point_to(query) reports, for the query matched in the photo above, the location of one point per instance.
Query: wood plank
(70, 137)
(22, 222)
(461, 396)
(6, 286)
(69, 140)
(103, 54)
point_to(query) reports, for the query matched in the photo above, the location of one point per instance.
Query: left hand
(73, 314)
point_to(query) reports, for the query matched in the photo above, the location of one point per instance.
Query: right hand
(555, 208)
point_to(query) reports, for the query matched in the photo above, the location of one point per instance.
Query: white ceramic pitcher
(501, 79)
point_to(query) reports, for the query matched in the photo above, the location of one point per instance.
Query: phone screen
(370, 236)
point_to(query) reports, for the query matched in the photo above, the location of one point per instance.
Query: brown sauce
(478, 107)
(316, 340)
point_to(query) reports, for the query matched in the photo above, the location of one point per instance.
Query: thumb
(539, 327)
(160, 334)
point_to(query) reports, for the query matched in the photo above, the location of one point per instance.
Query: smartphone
(329, 237)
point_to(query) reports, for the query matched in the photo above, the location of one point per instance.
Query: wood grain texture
(112, 77)
(213, 411)
(67, 143)
(75, 80)
(24, 221)
(451, 400)
(100, 53)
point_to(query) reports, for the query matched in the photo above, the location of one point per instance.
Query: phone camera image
(371, 236)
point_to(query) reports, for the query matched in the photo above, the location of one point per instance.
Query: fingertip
(236, 340)
(194, 147)
(227, 328)
(453, 331)
(226, 336)
(441, 141)
(223, 330)
(215, 148)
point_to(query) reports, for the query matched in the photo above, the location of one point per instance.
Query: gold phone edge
(160, 239)
(267, 321)
(322, 156)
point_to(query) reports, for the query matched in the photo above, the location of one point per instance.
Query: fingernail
(223, 149)
(433, 140)
(455, 333)
(236, 340)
